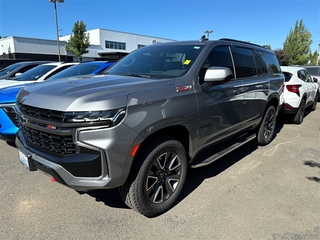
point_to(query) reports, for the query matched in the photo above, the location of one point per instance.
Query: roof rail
(239, 41)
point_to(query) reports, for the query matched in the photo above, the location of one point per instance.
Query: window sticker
(187, 62)
(196, 47)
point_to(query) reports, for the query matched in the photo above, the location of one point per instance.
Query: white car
(301, 91)
(37, 74)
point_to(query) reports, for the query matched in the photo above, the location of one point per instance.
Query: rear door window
(245, 64)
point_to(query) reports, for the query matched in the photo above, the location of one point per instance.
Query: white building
(104, 44)
(111, 44)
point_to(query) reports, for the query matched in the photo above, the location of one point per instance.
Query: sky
(264, 22)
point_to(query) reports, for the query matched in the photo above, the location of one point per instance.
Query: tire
(157, 178)
(314, 105)
(298, 118)
(267, 127)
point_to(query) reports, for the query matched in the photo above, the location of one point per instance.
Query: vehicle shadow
(196, 176)
(11, 144)
(109, 197)
(314, 164)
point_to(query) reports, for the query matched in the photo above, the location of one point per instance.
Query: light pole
(56, 15)
(208, 32)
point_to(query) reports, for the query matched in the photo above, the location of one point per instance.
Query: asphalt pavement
(270, 192)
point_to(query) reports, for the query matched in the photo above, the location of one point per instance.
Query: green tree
(283, 57)
(313, 58)
(268, 46)
(297, 44)
(79, 40)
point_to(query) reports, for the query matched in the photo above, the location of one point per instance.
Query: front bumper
(102, 161)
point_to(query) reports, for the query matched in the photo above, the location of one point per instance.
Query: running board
(238, 142)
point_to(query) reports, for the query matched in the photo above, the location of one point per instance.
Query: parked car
(9, 125)
(314, 71)
(301, 91)
(85, 68)
(37, 74)
(17, 69)
(8, 119)
(159, 110)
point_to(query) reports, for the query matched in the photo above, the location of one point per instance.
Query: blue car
(8, 121)
(85, 68)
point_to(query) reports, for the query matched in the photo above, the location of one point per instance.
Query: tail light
(294, 88)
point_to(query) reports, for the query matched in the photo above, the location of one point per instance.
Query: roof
(112, 56)
(291, 68)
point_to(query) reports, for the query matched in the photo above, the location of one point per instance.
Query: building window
(115, 45)
(140, 45)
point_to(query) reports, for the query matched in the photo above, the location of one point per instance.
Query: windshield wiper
(136, 75)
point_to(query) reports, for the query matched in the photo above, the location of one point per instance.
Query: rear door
(249, 70)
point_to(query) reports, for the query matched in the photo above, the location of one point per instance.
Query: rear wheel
(314, 105)
(266, 130)
(298, 118)
(155, 184)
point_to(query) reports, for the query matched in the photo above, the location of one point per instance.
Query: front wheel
(157, 178)
(266, 130)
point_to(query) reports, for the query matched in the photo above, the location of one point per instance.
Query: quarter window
(302, 75)
(272, 63)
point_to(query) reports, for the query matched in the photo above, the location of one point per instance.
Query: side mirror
(217, 74)
(17, 74)
(315, 79)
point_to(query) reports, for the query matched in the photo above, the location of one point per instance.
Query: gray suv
(158, 111)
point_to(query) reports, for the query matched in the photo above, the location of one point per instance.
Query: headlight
(113, 117)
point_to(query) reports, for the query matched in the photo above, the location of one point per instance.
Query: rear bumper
(288, 109)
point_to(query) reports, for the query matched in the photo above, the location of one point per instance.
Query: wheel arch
(178, 132)
(274, 101)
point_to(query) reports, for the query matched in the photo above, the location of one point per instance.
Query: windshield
(76, 70)
(35, 73)
(157, 61)
(9, 69)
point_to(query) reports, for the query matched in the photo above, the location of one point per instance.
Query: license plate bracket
(26, 160)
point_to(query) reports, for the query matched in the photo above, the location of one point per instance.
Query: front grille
(61, 145)
(41, 113)
(44, 131)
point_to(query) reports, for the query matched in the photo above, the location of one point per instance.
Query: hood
(9, 94)
(87, 93)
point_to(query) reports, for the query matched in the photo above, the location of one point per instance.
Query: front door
(221, 104)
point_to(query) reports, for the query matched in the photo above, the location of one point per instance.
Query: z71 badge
(184, 88)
